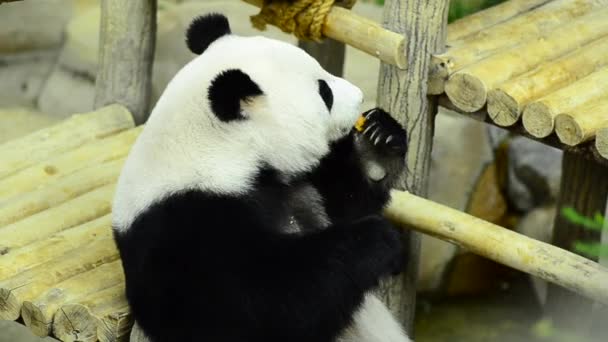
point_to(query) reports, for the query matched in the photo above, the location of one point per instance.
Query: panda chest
(304, 210)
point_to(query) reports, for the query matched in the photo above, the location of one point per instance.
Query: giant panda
(249, 207)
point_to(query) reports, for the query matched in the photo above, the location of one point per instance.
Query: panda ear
(204, 30)
(227, 91)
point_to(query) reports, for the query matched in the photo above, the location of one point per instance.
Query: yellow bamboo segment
(30, 284)
(507, 247)
(102, 316)
(506, 102)
(468, 87)
(13, 261)
(539, 116)
(489, 17)
(539, 21)
(38, 313)
(601, 142)
(64, 189)
(67, 135)
(361, 33)
(43, 173)
(581, 124)
(69, 214)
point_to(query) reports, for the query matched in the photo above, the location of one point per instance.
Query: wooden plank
(584, 187)
(126, 55)
(403, 93)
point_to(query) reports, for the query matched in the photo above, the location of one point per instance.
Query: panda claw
(369, 127)
(369, 113)
(389, 139)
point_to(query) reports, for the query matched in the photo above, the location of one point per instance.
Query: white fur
(184, 146)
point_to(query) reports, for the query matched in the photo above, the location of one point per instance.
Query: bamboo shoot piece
(504, 246)
(507, 101)
(601, 142)
(64, 136)
(30, 284)
(489, 17)
(468, 87)
(539, 21)
(18, 260)
(56, 193)
(539, 116)
(43, 173)
(67, 215)
(38, 313)
(581, 124)
(102, 316)
(363, 34)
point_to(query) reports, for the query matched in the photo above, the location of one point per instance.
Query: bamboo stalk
(38, 313)
(539, 21)
(489, 17)
(102, 316)
(43, 173)
(64, 189)
(581, 124)
(69, 214)
(18, 260)
(601, 142)
(361, 33)
(539, 116)
(468, 87)
(506, 102)
(69, 134)
(30, 284)
(507, 247)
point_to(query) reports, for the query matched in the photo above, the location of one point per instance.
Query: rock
(67, 92)
(33, 25)
(534, 173)
(23, 75)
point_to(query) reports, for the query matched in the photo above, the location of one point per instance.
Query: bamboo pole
(506, 102)
(489, 17)
(501, 245)
(539, 21)
(20, 259)
(361, 33)
(56, 193)
(581, 124)
(38, 313)
(468, 87)
(601, 142)
(539, 116)
(30, 284)
(82, 209)
(69, 134)
(102, 316)
(43, 173)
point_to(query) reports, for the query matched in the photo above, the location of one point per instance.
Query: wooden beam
(584, 187)
(126, 55)
(361, 33)
(507, 247)
(601, 142)
(468, 87)
(582, 123)
(403, 93)
(539, 116)
(329, 53)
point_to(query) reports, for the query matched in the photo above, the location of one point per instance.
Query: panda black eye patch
(326, 94)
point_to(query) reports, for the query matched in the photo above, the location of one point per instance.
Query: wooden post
(329, 53)
(126, 54)
(584, 187)
(403, 93)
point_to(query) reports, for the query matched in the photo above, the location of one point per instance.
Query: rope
(303, 18)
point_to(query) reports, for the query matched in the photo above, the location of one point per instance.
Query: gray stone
(14, 332)
(534, 173)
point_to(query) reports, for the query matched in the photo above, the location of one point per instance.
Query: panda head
(240, 103)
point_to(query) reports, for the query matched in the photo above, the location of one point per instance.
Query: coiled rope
(303, 18)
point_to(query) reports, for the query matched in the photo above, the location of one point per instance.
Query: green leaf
(573, 216)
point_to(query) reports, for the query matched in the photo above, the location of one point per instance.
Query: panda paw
(383, 132)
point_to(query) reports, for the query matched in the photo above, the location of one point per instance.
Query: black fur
(204, 267)
(326, 94)
(204, 30)
(227, 91)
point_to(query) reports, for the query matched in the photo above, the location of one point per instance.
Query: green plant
(596, 223)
